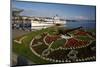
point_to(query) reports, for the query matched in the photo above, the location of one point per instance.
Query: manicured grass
(92, 30)
(24, 50)
(84, 38)
(58, 43)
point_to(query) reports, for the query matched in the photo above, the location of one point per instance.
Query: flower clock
(79, 46)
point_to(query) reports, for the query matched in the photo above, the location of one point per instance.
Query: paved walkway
(17, 33)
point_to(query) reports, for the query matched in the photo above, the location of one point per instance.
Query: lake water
(85, 25)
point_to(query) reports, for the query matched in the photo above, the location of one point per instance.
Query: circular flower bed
(57, 49)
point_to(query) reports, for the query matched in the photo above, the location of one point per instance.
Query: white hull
(46, 23)
(38, 26)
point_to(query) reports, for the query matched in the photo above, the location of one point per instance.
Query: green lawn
(24, 50)
(84, 38)
(58, 43)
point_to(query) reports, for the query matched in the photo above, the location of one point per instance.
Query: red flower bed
(83, 42)
(81, 33)
(50, 39)
(75, 43)
(71, 42)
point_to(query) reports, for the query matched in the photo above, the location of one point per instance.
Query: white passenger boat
(37, 25)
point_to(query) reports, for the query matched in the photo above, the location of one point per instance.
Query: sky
(67, 11)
